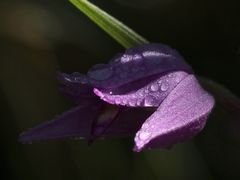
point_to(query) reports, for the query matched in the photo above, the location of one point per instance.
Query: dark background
(39, 38)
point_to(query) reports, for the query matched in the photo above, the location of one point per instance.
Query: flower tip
(25, 138)
(136, 149)
(98, 93)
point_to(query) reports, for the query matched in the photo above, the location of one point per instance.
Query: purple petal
(74, 123)
(150, 95)
(180, 116)
(71, 79)
(137, 63)
(75, 86)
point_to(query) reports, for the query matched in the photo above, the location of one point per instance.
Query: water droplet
(150, 101)
(141, 93)
(111, 92)
(117, 101)
(145, 125)
(146, 91)
(154, 87)
(139, 102)
(132, 102)
(136, 57)
(144, 135)
(160, 81)
(152, 126)
(151, 53)
(100, 72)
(178, 78)
(171, 75)
(164, 86)
(124, 101)
(126, 58)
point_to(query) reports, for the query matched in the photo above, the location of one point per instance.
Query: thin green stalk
(116, 29)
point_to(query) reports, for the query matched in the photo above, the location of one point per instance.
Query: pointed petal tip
(24, 139)
(151, 94)
(76, 122)
(181, 116)
(171, 137)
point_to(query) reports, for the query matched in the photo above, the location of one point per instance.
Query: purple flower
(149, 91)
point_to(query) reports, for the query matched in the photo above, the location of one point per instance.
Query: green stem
(116, 29)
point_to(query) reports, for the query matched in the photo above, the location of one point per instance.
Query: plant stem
(116, 29)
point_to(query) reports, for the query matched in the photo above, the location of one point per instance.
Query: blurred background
(40, 37)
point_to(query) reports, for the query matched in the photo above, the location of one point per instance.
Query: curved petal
(75, 86)
(74, 123)
(72, 79)
(180, 116)
(137, 63)
(150, 95)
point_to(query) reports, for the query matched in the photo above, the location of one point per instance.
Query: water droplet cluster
(150, 95)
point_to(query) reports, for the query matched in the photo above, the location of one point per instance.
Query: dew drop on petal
(149, 101)
(136, 57)
(100, 72)
(124, 101)
(126, 58)
(139, 102)
(178, 78)
(141, 93)
(154, 87)
(164, 86)
(145, 125)
(171, 75)
(152, 126)
(143, 135)
(118, 101)
(132, 102)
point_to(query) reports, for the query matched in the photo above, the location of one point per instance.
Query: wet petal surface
(148, 90)
(150, 95)
(180, 116)
(74, 123)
